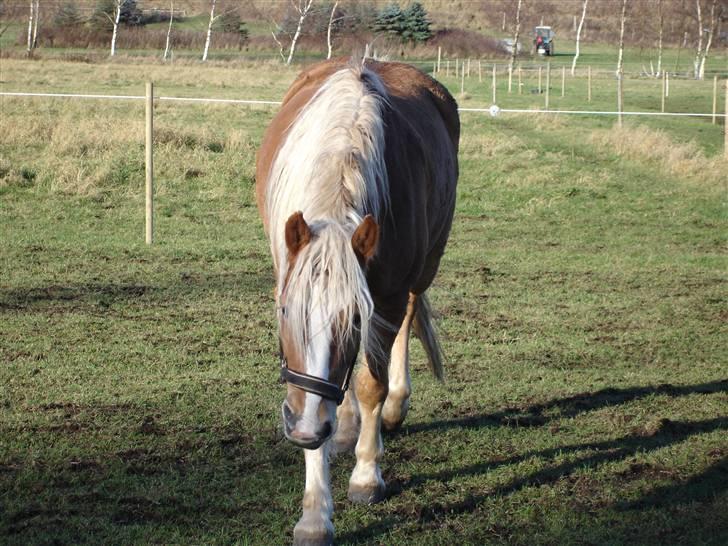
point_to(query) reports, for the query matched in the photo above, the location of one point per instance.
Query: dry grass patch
(683, 160)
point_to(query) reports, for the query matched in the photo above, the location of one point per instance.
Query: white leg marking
(366, 484)
(315, 523)
(400, 386)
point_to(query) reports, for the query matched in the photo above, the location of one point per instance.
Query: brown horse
(356, 181)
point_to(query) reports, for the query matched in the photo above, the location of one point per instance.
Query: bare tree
(169, 29)
(578, 36)
(331, 24)
(699, 53)
(660, 19)
(279, 44)
(115, 22)
(209, 30)
(303, 8)
(515, 42)
(31, 16)
(35, 23)
(711, 32)
(620, 63)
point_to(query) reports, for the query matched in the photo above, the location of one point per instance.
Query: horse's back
(421, 133)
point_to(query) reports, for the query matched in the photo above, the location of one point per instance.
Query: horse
(356, 180)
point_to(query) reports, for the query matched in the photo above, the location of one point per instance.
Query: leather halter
(316, 385)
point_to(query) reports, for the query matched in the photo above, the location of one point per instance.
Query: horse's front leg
(366, 484)
(315, 527)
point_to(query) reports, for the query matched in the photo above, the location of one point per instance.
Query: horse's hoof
(317, 535)
(393, 414)
(391, 426)
(369, 494)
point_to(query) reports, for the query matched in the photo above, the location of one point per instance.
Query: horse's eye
(284, 312)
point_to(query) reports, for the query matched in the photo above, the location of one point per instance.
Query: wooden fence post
(667, 84)
(480, 72)
(620, 96)
(539, 81)
(462, 82)
(439, 57)
(715, 96)
(510, 78)
(494, 95)
(563, 79)
(149, 159)
(548, 83)
(662, 100)
(588, 84)
(520, 84)
(447, 68)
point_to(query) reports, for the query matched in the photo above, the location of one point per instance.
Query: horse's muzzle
(301, 437)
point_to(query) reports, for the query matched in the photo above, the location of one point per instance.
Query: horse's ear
(298, 234)
(365, 238)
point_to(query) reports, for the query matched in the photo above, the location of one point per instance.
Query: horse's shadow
(704, 486)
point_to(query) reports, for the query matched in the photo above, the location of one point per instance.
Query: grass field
(581, 305)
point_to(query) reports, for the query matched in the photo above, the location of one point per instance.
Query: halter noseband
(316, 385)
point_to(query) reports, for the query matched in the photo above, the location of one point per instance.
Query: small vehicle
(544, 40)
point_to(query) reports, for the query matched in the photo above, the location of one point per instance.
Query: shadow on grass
(92, 296)
(701, 488)
(218, 480)
(537, 414)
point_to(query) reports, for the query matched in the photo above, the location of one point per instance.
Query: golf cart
(544, 40)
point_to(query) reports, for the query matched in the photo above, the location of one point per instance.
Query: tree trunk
(659, 38)
(303, 10)
(578, 37)
(35, 24)
(515, 41)
(713, 26)
(699, 53)
(30, 27)
(169, 29)
(328, 32)
(209, 30)
(117, 15)
(620, 64)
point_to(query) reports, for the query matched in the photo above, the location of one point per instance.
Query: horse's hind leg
(366, 484)
(400, 388)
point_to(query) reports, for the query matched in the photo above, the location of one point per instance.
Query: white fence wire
(493, 111)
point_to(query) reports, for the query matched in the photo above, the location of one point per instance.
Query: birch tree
(115, 22)
(303, 8)
(515, 40)
(30, 26)
(660, 18)
(699, 53)
(331, 24)
(35, 23)
(711, 32)
(578, 36)
(169, 29)
(620, 63)
(209, 30)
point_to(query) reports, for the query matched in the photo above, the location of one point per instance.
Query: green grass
(581, 302)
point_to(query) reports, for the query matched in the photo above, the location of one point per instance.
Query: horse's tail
(425, 331)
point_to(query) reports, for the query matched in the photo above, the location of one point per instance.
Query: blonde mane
(330, 167)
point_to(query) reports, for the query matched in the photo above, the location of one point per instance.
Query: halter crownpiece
(316, 385)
